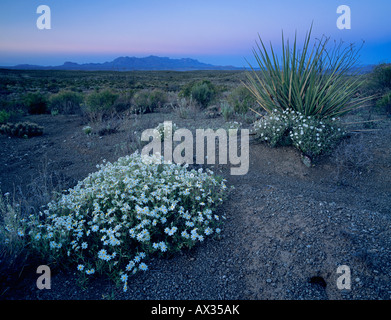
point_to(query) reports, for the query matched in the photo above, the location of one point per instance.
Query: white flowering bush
(273, 128)
(87, 130)
(117, 217)
(312, 136)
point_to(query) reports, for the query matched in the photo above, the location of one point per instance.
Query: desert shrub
(147, 101)
(185, 108)
(115, 219)
(109, 127)
(312, 136)
(4, 88)
(12, 245)
(35, 103)
(352, 158)
(66, 102)
(380, 78)
(141, 102)
(21, 129)
(53, 87)
(100, 104)
(241, 99)
(203, 92)
(87, 130)
(273, 129)
(4, 116)
(226, 110)
(123, 102)
(315, 82)
(185, 91)
(158, 98)
(384, 103)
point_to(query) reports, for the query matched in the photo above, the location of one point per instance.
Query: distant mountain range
(130, 64)
(148, 63)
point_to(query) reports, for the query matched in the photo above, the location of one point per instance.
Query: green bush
(385, 102)
(4, 116)
(226, 110)
(123, 103)
(21, 129)
(315, 82)
(380, 78)
(147, 101)
(312, 136)
(66, 102)
(35, 103)
(158, 98)
(203, 92)
(100, 104)
(241, 99)
(118, 217)
(13, 256)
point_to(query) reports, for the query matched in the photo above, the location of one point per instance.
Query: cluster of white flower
(87, 130)
(309, 134)
(128, 210)
(273, 127)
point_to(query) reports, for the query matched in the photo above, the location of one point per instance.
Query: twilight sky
(221, 32)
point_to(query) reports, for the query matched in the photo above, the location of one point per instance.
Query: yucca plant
(315, 82)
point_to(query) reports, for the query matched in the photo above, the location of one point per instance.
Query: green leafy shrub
(4, 116)
(380, 78)
(158, 98)
(66, 102)
(226, 110)
(315, 82)
(203, 92)
(241, 99)
(87, 130)
(312, 136)
(385, 102)
(109, 127)
(13, 255)
(100, 104)
(115, 219)
(21, 129)
(147, 101)
(123, 103)
(35, 103)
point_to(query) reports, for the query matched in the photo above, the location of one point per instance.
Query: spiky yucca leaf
(313, 81)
